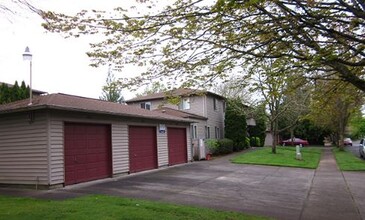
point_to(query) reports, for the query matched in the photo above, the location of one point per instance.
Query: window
(224, 106)
(217, 135)
(184, 104)
(146, 105)
(194, 132)
(207, 132)
(215, 103)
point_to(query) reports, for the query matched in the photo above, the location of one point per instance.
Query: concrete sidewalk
(329, 196)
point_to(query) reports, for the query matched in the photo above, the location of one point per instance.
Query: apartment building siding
(215, 115)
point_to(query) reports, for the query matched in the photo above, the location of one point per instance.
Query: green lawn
(285, 156)
(347, 161)
(106, 207)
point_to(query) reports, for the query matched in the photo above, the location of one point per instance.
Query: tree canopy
(13, 93)
(333, 104)
(235, 123)
(111, 91)
(12, 8)
(196, 41)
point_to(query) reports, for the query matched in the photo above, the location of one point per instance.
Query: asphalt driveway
(279, 192)
(271, 191)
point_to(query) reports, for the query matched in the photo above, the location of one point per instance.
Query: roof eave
(143, 99)
(56, 107)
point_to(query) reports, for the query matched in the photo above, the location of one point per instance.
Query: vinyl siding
(120, 150)
(155, 104)
(23, 149)
(197, 105)
(56, 151)
(189, 144)
(215, 117)
(200, 105)
(162, 149)
(201, 129)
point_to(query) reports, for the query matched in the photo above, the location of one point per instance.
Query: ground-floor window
(194, 131)
(207, 132)
(217, 133)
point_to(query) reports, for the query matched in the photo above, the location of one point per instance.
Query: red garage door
(87, 152)
(142, 148)
(176, 138)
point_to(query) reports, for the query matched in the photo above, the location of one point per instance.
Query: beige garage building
(62, 139)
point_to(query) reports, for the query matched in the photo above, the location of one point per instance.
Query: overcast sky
(59, 65)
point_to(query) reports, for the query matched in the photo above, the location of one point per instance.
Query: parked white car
(347, 142)
(362, 148)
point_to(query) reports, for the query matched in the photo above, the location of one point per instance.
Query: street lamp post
(28, 56)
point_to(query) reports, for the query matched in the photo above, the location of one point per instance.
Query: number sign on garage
(87, 152)
(142, 148)
(177, 145)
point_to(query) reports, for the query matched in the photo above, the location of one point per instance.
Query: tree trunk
(342, 122)
(292, 135)
(275, 136)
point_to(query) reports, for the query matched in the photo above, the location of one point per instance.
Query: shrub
(219, 147)
(255, 142)
(212, 145)
(258, 142)
(247, 141)
(239, 146)
(225, 146)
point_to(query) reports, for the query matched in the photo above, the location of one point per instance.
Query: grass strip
(106, 207)
(347, 161)
(285, 156)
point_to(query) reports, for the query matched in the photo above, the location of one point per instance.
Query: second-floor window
(215, 103)
(184, 104)
(146, 105)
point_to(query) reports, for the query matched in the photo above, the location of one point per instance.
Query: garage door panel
(87, 152)
(177, 145)
(142, 148)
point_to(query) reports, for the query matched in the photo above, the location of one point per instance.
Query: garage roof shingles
(82, 104)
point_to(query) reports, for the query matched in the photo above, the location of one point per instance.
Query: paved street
(354, 148)
(278, 192)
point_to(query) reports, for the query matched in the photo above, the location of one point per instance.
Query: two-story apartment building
(207, 109)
